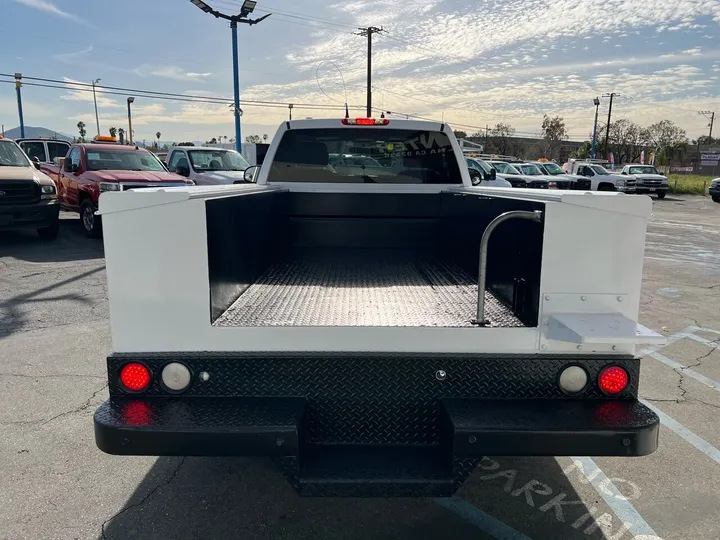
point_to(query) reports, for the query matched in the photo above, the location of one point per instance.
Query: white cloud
(68, 58)
(82, 91)
(49, 7)
(170, 72)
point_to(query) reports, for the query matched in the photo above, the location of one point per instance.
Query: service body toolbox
(374, 328)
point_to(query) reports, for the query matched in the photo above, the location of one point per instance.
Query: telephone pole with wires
(368, 32)
(710, 115)
(611, 95)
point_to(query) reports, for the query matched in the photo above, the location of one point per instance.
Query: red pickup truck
(90, 169)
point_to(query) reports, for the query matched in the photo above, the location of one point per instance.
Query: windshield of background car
(599, 170)
(12, 156)
(646, 169)
(505, 168)
(217, 160)
(122, 160)
(394, 156)
(484, 166)
(530, 170)
(553, 168)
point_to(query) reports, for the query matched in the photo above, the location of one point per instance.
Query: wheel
(716, 199)
(91, 223)
(51, 232)
(661, 195)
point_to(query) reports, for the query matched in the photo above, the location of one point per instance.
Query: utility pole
(18, 85)
(290, 108)
(611, 95)
(596, 102)
(487, 130)
(97, 118)
(247, 7)
(368, 32)
(710, 115)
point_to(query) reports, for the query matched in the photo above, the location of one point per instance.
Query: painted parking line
(685, 370)
(712, 344)
(690, 437)
(696, 328)
(670, 340)
(485, 522)
(618, 503)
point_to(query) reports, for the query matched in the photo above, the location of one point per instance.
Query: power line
(71, 86)
(289, 14)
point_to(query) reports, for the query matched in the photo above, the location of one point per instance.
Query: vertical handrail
(535, 215)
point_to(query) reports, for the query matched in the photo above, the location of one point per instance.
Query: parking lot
(55, 484)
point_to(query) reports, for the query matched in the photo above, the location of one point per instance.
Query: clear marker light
(176, 376)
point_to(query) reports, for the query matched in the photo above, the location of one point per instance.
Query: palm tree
(81, 129)
(158, 139)
(121, 133)
(225, 137)
(113, 131)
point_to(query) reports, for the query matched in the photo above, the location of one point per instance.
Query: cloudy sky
(472, 63)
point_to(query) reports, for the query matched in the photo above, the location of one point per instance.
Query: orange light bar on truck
(104, 138)
(365, 122)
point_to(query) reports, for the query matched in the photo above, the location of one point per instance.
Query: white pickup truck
(207, 166)
(647, 179)
(375, 331)
(600, 178)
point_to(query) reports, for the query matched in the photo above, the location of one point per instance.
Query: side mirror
(36, 162)
(475, 177)
(250, 173)
(75, 167)
(493, 174)
(182, 170)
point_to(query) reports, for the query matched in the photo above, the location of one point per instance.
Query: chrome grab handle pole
(482, 266)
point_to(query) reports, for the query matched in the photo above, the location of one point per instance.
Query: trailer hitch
(536, 215)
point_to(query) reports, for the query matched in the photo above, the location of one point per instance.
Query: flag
(612, 160)
(642, 157)
(651, 159)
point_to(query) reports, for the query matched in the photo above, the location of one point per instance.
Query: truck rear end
(377, 330)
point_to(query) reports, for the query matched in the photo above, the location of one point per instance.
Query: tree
(211, 141)
(668, 140)
(500, 139)
(460, 134)
(553, 133)
(253, 139)
(113, 131)
(157, 136)
(627, 140)
(81, 130)
(121, 134)
(265, 137)
(225, 138)
(583, 152)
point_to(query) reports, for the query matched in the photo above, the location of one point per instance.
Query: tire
(90, 222)
(51, 232)
(716, 199)
(661, 195)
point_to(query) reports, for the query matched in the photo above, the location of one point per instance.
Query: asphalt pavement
(55, 484)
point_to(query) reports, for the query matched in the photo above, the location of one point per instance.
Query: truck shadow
(202, 498)
(71, 244)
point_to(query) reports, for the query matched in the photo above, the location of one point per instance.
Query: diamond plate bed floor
(363, 288)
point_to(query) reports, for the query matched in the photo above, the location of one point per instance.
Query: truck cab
(94, 168)
(562, 180)
(600, 178)
(375, 331)
(43, 150)
(207, 166)
(28, 197)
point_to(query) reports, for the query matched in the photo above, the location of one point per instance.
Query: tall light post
(248, 6)
(18, 86)
(596, 101)
(129, 101)
(97, 118)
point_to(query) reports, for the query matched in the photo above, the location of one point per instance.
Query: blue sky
(472, 63)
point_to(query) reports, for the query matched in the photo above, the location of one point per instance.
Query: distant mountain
(35, 132)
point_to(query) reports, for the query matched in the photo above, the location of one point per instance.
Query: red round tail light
(135, 377)
(613, 380)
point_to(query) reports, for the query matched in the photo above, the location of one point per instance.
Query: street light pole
(97, 118)
(611, 95)
(596, 101)
(236, 86)
(18, 85)
(130, 137)
(248, 6)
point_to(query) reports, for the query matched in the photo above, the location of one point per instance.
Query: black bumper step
(551, 427)
(200, 426)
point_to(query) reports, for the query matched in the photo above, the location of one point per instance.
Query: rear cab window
(57, 150)
(362, 155)
(35, 150)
